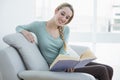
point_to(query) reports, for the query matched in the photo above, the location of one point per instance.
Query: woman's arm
(29, 27)
(26, 30)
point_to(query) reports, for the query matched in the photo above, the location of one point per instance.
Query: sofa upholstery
(13, 67)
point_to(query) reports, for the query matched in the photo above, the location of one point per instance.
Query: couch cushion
(48, 75)
(29, 51)
(71, 52)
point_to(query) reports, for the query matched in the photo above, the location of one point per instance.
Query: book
(63, 62)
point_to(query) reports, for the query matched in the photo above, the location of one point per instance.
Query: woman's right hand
(28, 36)
(70, 70)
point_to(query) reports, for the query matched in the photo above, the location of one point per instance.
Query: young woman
(52, 37)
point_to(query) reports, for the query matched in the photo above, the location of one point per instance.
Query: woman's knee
(103, 69)
(110, 69)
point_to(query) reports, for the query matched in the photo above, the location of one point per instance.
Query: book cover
(63, 62)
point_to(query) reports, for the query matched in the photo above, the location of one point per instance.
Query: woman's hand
(70, 70)
(28, 36)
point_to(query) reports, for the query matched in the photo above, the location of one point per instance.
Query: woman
(52, 37)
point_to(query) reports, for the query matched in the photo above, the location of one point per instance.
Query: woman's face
(62, 16)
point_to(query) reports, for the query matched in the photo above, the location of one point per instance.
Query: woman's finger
(70, 70)
(31, 38)
(28, 36)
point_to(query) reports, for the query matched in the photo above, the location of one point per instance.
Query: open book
(63, 62)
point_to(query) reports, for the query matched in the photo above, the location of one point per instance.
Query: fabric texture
(48, 75)
(10, 64)
(71, 52)
(11, 68)
(49, 46)
(29, 51)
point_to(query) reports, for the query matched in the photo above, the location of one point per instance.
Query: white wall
(13, 13)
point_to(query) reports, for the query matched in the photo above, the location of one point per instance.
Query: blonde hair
(66, 5)
(61, 28)
(62, 36)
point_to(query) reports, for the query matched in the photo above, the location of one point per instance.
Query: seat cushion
(29, 51)
(48, 75)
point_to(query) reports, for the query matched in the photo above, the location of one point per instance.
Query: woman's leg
(109, 68)
(98, 71)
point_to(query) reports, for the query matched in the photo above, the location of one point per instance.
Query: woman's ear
(56, 10)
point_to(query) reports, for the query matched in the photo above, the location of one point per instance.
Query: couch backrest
(29, 52)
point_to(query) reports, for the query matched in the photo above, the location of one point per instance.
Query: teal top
(49, 46)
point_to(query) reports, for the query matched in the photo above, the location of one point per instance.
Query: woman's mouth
(60, 22)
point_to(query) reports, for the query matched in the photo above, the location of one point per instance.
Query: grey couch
(14, 67)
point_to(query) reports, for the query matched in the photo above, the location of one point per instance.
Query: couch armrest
(79, 49)
(8, 64)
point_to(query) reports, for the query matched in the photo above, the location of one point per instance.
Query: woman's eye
(67, 17)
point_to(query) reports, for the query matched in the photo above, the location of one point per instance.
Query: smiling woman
(55, 38)
(83, 14)
(55, 30)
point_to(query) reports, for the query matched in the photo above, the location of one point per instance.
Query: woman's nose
(64, 19)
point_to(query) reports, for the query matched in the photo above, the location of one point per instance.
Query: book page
(63, 62)
(85, 58)
(87, 55)
(61, 57)
(82, 63)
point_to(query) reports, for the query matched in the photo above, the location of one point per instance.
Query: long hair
(66, 5)
(61, 28)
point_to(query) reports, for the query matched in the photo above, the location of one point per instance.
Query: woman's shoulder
(66, 28)
(39, 23)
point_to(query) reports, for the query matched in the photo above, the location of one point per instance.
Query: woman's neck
(52, 29)
(51, 24)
